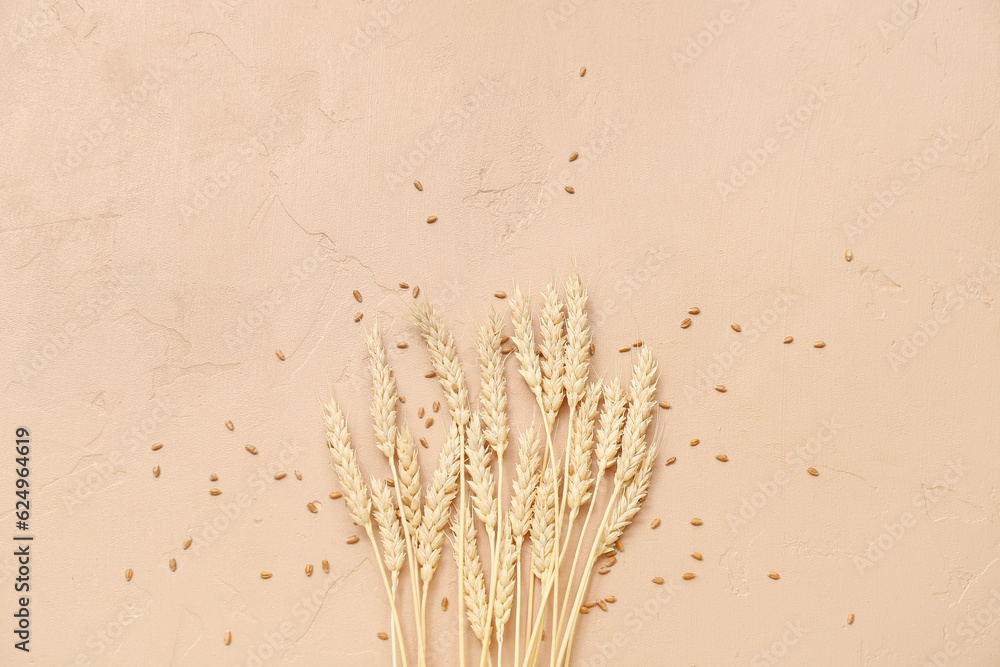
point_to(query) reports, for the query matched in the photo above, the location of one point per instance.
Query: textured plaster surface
(186, 187)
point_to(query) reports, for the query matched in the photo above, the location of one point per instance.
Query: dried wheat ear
(524, 547)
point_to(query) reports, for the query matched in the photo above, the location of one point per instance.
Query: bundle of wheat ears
(554, 493)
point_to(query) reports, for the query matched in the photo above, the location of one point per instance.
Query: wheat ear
(388, 441)
(444, 358)
(631, 459)
(609, 435)
(475, 582)
(493, 407)
(391, 532)
(435, 514)
(509, 553)
(484, 502)
(626, 508)
(522, 501)
(359, 503)
(524, 343)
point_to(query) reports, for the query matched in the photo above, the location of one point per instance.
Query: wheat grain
(280, 354)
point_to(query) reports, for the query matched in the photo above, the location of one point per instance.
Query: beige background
(145, 292)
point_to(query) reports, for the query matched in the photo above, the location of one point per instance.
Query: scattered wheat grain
(819, 343)
(813, 472)
(187, 543)
(229, 425)
(688, 576)
(298, 475)
(696, 521)
(156, 471)
(569, 189)
(696, 555)
(694, 310)
(279, 475)
(722, 457)
(404, 286)
(228, 638)
(850, 619)
(326, 566)
(602, 604)
(573, 156)
(158, 446)
(672, 460)
(383, 636)
(444, 604)
(312, 507)
(848, 255)
(358, 315)
(357, 296)
(252, 449)
(773, 575)
(335, 495)
(309, 570)
(265, 575)
(720, 388)
(173, 564)
(788, 339)
(215, 492)
(657, 580)
(281, 355)
(128, 574)
(353, 539)
(655, 524)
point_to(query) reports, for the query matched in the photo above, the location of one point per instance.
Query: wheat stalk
(506, 580)
(391, 532)
(359, 503)
(632, 461)
(475, 582)
(444, 358)
(549, 490)
(390, 442)
(522, 501)
(609, 435)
